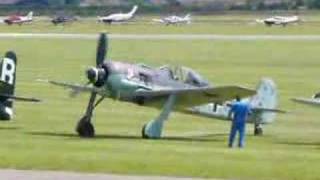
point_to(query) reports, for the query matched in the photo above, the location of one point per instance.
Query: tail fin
(8, 77)
(266, 97)
(30, 15)
(134, 10)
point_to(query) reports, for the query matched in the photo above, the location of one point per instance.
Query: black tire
(258, 131)
(85, 129)
(143, 132)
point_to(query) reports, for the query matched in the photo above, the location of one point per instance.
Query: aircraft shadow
(9, 128)
(300, 143)
(200, 138)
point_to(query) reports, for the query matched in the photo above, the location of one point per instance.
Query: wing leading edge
(189, 97)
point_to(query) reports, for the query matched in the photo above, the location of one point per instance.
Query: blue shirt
(240, 112)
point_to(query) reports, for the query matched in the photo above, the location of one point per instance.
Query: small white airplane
(17, 19)
(174, 20)
(279, 20)
(119, 17)
(264, 107)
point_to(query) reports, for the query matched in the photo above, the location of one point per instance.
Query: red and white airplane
(17, 19)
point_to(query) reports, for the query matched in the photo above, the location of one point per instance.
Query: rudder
(8, 77)
(266, 97)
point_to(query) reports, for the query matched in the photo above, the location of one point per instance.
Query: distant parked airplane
(17, 19)
(174, 20)
(119, 17)
(63, 20)
(279, 20)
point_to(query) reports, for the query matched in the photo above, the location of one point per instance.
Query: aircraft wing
(76, 88)
(18, 98)
(189, 97)
(268, 110)
(158, 20)
(307, 101)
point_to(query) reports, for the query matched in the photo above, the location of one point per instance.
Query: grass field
(42, 135)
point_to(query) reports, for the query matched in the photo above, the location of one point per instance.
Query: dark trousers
(240, 128)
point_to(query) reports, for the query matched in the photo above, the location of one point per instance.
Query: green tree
(56, 2)
(73, 2)
(313, 4)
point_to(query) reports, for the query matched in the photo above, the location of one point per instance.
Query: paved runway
(58, 175)
(163, 36)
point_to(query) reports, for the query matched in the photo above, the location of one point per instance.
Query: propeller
(96, 76)
(101, 50)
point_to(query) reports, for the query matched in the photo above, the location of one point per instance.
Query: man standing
(240, 111)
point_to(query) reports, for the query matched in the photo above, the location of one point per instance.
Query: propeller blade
(101, 49)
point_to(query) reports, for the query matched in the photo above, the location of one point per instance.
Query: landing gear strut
(143, 132)
(258, 131)
(153, 129)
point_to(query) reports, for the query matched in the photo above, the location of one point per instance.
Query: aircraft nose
(92, 74)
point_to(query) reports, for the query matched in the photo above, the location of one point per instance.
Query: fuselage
(119, 17)
(281, 20)
(174, 20)
(17, 19)
(124, 79)
(62, 20)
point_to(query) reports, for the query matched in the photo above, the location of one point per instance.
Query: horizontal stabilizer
(269, 110)
(307, 101)
(17, 98)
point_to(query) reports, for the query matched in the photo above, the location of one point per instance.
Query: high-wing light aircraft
(263, 105)
(174, 20)
(172, 89)
(7, 86)
(17, 19)
(119, 17)
(279, 20)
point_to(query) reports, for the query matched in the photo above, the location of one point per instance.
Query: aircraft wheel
(85, 128)
(258, 131)
(143, 132)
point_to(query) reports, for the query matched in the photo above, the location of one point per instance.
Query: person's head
(238, 99)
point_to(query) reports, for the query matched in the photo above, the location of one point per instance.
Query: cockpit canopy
(186, 75)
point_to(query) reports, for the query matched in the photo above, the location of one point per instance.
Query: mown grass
(42, 135)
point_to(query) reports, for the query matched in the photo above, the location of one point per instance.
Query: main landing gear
(153, 129)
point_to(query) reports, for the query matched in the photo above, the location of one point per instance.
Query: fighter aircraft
(263, 105)
(172, 89)
(279, 20)
(17, 19)
(7, 86)
(63, 20)
(174, 20)
(119, 17)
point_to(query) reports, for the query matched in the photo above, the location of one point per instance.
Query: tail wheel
(143, 132)
(258, 131)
